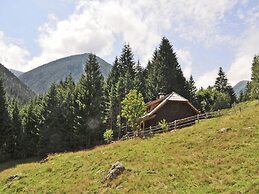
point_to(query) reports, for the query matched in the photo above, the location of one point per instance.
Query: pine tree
(221, 82)
(15, 133)
(254, 85)
(173, 79)
(91, 99)
(30, 138)
(192, 90)
(139, 81)
(50, 133)
(154, 78)
(126, 62)
(4, 123)
(221, 85)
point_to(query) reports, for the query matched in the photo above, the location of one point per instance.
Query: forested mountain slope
(14, 88)
(196, 159)
(40, 78)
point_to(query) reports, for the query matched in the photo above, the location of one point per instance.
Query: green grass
(197, 159)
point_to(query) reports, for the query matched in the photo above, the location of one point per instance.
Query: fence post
(198, 118)
(175, 124)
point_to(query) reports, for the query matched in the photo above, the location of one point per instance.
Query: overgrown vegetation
(196, 159)
(73, 116)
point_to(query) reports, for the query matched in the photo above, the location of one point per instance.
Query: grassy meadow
(196, 159)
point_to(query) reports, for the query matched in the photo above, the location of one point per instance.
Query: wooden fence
(177, 124)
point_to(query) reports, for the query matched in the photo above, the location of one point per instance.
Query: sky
(205, 34)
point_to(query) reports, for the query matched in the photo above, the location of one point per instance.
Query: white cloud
(207, 79)
(95, 25)
(240, 68)
(185, 60)
(11, 54)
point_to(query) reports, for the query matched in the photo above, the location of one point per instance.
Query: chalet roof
(170, 97)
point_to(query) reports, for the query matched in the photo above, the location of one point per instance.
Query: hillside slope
(16, 73)
(14, 88)
(197, 159)
(40, 78)
(240, 86)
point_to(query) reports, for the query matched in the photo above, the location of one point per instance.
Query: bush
(108, 135)
(163, 124)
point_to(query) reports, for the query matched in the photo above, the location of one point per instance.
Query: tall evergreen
(15, 132)
(50, 133)
(173, 78)
(30, 138)
(192, 92)
(139, 81)
(91, 99)
(4, 122)
(254, 85)
(126, 61)
(154, 77)
(221, 85)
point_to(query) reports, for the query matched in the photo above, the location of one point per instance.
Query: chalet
(170, 107)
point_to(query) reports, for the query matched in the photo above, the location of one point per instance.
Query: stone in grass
(247, 128)
(222, 130)
(13, 177)
(115, 170)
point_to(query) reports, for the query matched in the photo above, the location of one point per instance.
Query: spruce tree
(91, 99)
(15, 132)
(30, 138)
(254, 85)
(139, 81)
(192, 90)
(50, 133)
(221, 85)
(154, 78)
(173, 78)
(4, 123)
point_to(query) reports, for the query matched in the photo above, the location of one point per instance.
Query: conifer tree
(221, 85)
(91, 99)
(50, 133)
(173, 78)
(153, 78)
(254, 85)
(139, 81)
(15, 132)
(192, 90)
(30, 138)
(4, 122)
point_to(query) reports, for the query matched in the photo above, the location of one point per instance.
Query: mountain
(16, 73)
(14, 88)
(240, 86)
(195, 159)
(40, 78)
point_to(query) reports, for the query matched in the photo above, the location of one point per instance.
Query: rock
(151, 172)
(119, 186)
(247, 128)
(225, 130)
(44, 160)
(115, 170)
(13, 177)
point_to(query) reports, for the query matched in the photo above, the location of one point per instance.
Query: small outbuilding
(169, 107)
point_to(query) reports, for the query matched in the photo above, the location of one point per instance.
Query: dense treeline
(73, 116)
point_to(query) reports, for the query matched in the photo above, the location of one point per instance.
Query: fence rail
(177, 124)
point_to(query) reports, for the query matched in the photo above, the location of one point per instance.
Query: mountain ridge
(40, 78)
(14, 87)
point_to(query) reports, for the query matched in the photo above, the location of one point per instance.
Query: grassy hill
(196, 159)
(40, 78)
(14, 88)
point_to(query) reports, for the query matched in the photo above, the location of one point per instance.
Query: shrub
(108, 135)
(163, 124)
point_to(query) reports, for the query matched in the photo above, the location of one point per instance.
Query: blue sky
(205, 34)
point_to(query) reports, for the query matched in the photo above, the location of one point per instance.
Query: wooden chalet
(170, 107)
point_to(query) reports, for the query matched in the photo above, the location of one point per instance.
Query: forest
(73, 116)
